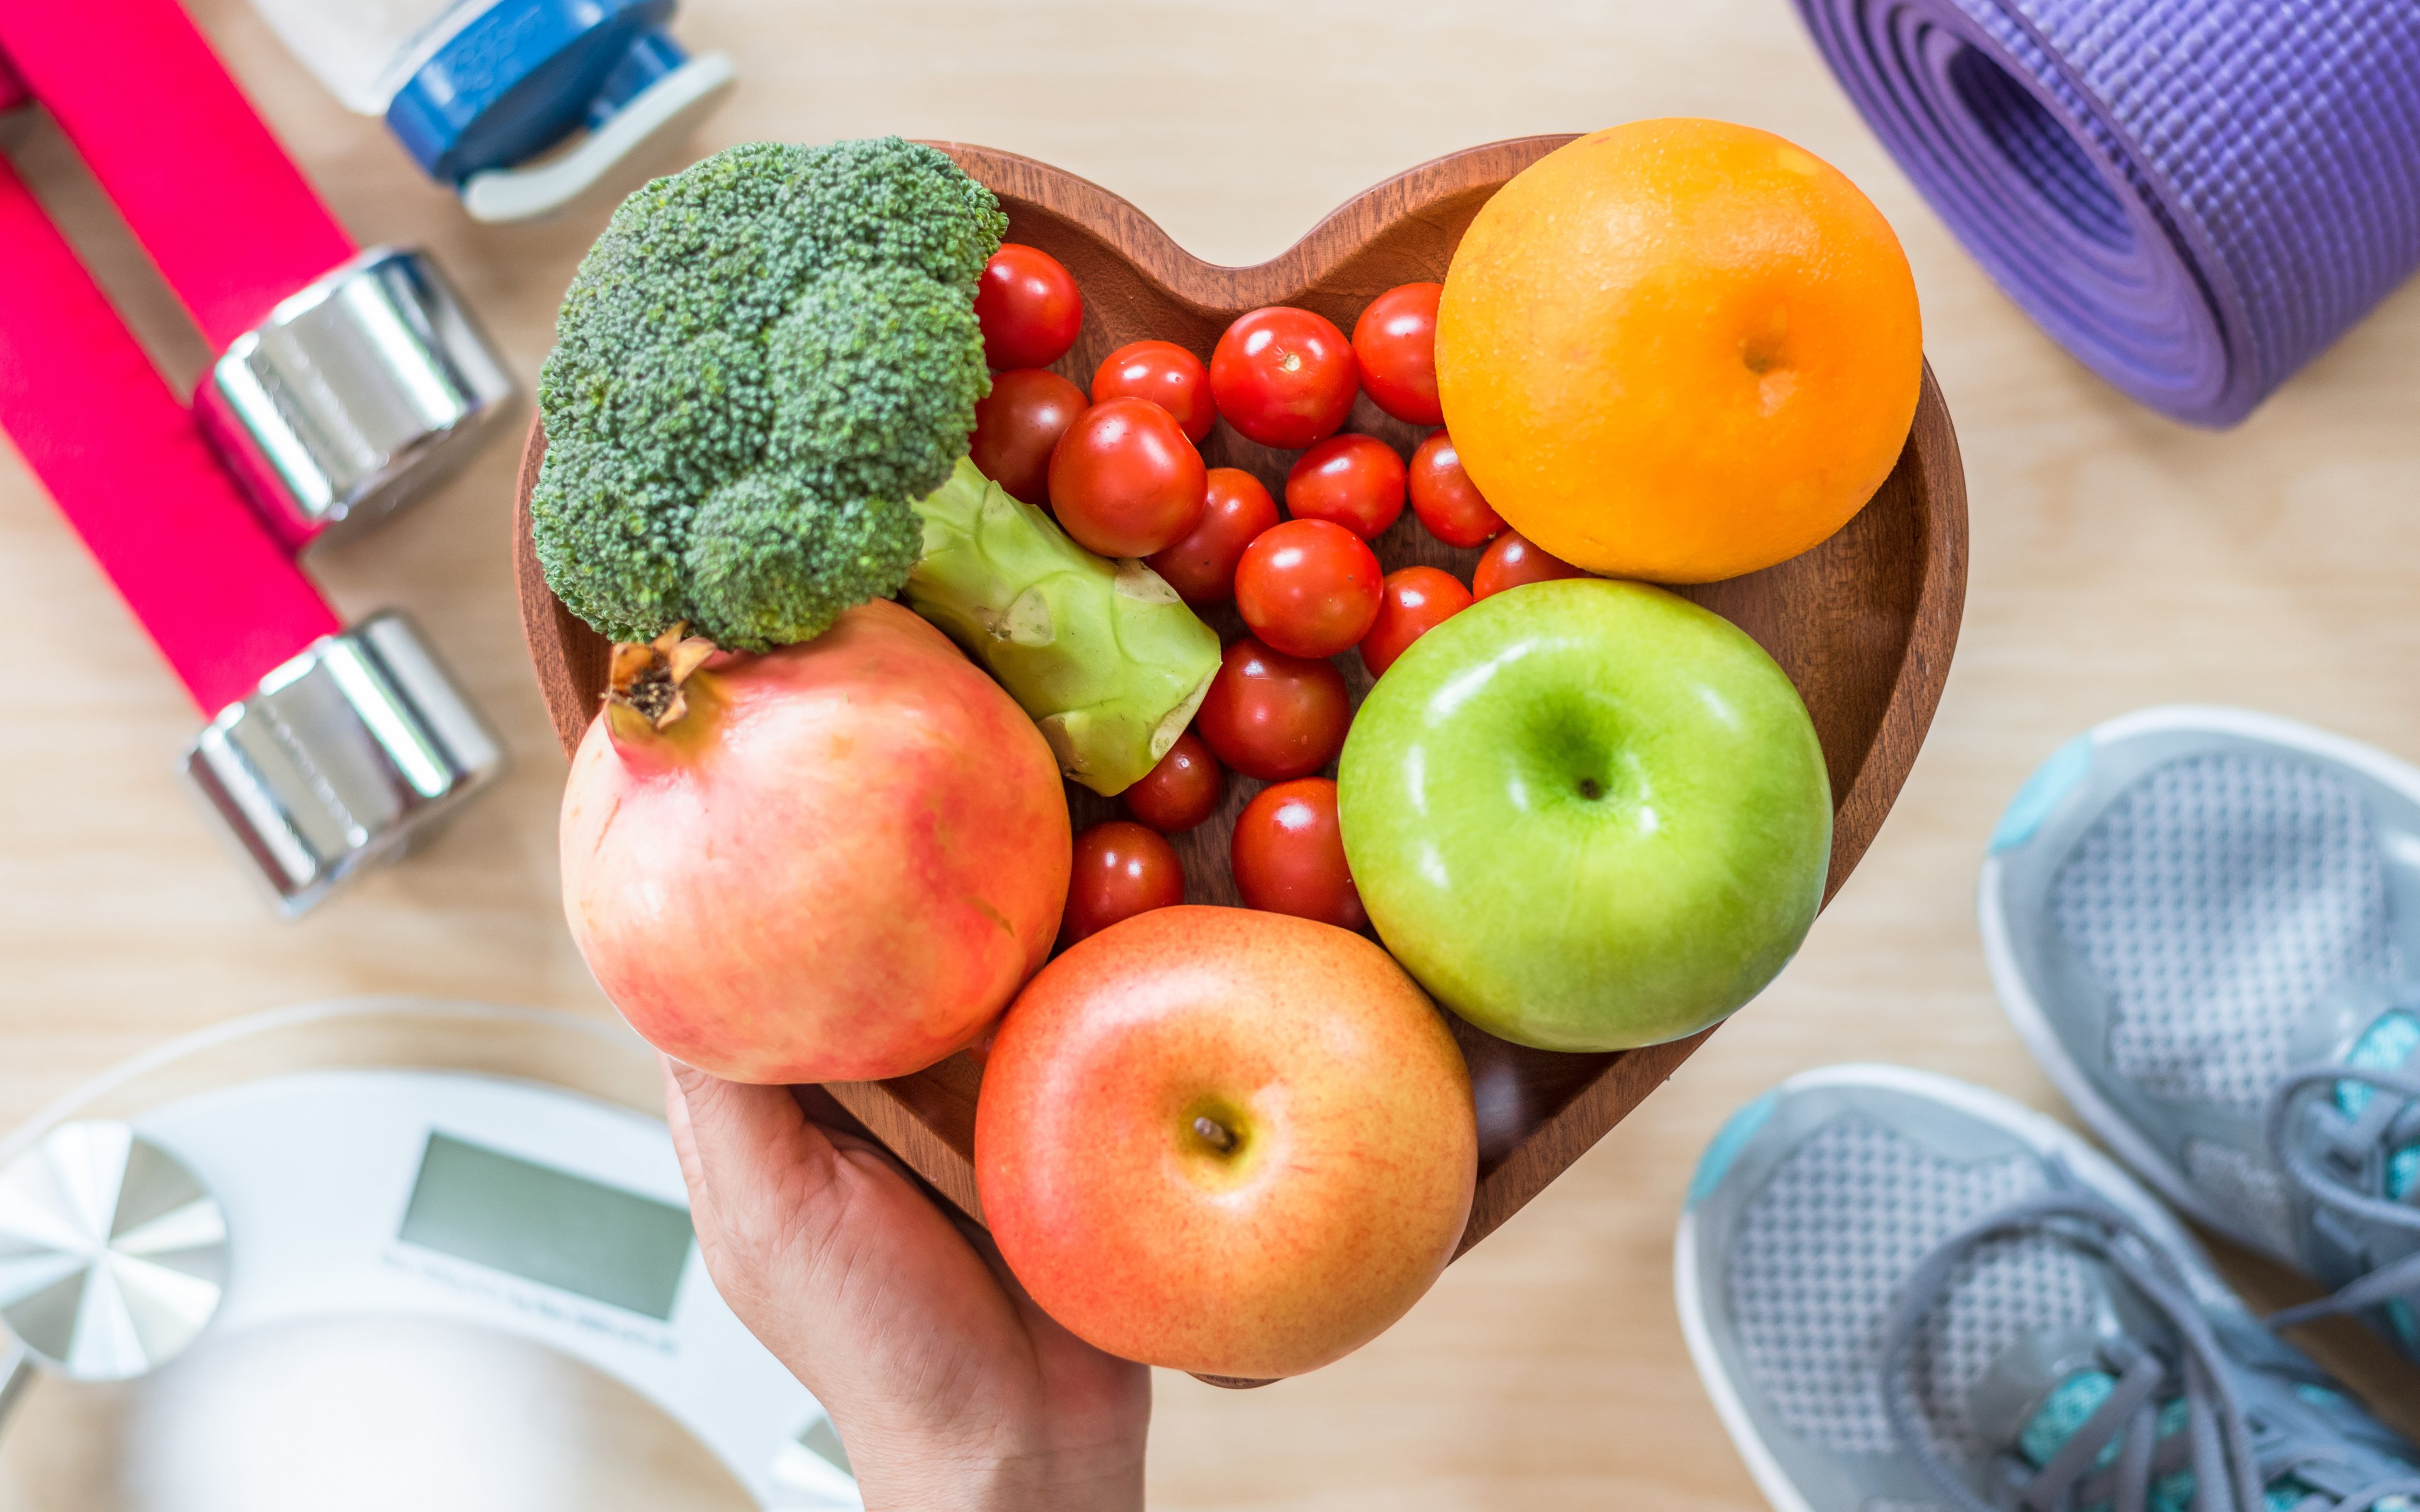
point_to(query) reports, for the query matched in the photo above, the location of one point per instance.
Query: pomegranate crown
(644, 691)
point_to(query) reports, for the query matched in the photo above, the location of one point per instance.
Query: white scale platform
(440, 1286)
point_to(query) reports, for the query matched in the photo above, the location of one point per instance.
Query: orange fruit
(1679, 350)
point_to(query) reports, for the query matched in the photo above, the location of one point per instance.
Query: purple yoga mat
(2196, 198)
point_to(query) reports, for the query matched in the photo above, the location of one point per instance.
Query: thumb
(752, 1158)
(736, 1131)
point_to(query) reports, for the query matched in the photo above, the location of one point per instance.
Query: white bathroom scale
(386, 1254)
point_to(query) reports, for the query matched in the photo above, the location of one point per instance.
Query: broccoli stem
(1104, 655)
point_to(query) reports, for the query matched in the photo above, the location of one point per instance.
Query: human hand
(951, 1389)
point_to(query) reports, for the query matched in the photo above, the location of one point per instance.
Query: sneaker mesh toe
(1825, 1246)
(2217, 900)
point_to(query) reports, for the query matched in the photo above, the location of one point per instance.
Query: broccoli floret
(877, 370)
(760, 368)
(880, 200)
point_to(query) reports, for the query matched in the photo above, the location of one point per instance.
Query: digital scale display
(549, 1225)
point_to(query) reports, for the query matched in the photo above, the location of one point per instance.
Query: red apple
(837, 863)
(1223, 1141)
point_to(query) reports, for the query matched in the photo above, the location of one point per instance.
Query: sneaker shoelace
(2350, 1137)
(2164, 1431)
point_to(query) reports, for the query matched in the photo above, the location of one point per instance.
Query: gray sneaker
(2205, 925)
(1906, 1294)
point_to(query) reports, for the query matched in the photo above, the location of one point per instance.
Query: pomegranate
(837, 861)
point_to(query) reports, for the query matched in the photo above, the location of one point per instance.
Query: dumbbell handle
(223, 211)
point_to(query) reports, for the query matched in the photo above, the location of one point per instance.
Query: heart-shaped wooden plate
(1864, 624)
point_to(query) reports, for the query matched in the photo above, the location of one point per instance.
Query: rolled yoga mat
(2196, 198)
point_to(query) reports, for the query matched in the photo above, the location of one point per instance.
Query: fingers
(898, 1315)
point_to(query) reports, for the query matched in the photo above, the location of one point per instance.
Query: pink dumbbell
(346, 383)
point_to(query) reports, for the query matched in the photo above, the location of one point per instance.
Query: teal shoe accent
(2384, 1047)
(2068, 1407)
(2390, 1042)
(2074, 1401)
(2052, 780)
(1716, 1163)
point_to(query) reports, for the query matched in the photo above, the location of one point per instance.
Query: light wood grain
(2117, 560)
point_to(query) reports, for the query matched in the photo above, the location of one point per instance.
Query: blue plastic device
(527, 74)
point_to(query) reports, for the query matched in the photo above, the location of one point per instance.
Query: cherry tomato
(1445, 498)
(1289, 854)
(1283, 377)
(1272, 716)
(1417, 601)
(1016, 425)
(1395, 342)
(1355, 481)
(1168, 376)
(1027, 304)
(1124, 481)
(1511, 561)
(1182, 791)
(1121, 870)
(1308, 588)
(1201, 567)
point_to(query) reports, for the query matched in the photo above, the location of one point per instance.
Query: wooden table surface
(2118, 561)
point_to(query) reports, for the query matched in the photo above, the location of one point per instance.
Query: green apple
(1586, 814)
